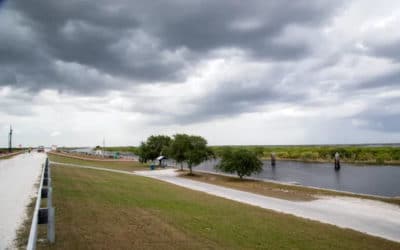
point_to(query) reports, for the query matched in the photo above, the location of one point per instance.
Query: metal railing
(43, 215)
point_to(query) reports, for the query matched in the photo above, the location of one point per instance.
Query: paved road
(18, 176)
(367, 216)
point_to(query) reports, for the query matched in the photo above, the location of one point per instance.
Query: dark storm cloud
(236, 98)
(205, 25)
(228, 99)
(142, 41)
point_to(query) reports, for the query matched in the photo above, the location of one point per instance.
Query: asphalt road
(18, 176)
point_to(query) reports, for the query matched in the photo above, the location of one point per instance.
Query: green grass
(119, 165)
(130, 149)
(101, 210)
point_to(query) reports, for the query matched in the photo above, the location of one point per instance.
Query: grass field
(101, 210)
(119, 165)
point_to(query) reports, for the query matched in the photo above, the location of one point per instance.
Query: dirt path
(367, 216)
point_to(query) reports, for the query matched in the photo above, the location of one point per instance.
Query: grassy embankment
(118, 165)
(129, 149)
(277, 190)
(102, 210)
(5, 155)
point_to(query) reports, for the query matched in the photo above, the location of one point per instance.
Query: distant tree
(259, 151)
(197, 152)
(179, 146)
(243, 162)
(154, 146)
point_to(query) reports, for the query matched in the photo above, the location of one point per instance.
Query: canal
(18, 176)
(363, 179)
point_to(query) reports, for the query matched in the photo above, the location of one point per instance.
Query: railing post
(43, 215)
(50, 222)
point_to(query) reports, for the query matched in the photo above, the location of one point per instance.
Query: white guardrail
(43, 215)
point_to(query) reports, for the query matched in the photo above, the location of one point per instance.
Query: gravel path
(367, 216)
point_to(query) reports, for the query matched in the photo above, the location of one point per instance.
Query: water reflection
(337, 176)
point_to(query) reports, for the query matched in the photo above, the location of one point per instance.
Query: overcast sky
(235, 72)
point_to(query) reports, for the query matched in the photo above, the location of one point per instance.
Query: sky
(235, 72)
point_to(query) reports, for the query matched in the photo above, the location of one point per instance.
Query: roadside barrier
(43, 215)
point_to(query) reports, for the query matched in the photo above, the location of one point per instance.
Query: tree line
(351, 154)
(193, 150)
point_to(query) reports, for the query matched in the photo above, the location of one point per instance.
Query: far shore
(356, 163)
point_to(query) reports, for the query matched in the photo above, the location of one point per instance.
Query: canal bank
(18, 176)
(371, 180)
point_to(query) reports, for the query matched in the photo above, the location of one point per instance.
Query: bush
(243, 162)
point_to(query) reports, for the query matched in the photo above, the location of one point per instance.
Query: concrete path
(18, 176)
(367, 216)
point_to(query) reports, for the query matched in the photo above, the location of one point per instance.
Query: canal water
(363, 179)
(18, 176)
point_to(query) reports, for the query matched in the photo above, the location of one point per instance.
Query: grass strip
(118, 165)
(101, 210)
(10, 155)
(277, 190)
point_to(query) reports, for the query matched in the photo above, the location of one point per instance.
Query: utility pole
(10, 140)
(104, 146)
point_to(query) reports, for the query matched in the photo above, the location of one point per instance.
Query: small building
(98, 152)
(162, 161)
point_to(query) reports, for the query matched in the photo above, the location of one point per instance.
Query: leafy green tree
(154, 146)
(196, 152)
(243, 162)
(179, 145)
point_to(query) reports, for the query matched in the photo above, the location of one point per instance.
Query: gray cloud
(383, 116)
(384, 80)
(142, 41)
(95, 47)
(388, 50)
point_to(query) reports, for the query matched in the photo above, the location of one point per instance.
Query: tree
(197, 152)
(154, 146)
(179, 145)
(243, 162)
(143, 152)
